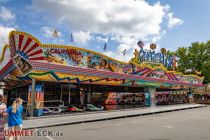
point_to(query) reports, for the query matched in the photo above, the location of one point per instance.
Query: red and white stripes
(26, 46)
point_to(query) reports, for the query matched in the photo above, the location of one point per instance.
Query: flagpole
(105, 46)
(71, 40)
(124, 52)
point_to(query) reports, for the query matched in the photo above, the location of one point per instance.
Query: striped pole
(33, 92)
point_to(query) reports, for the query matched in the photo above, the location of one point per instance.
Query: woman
(15, 117)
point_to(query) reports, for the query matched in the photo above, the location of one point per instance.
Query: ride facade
(39, 72)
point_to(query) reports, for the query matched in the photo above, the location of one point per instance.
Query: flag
(55, 33)
(105, 46)
(140, 44)
(71, 38)
(124, 52)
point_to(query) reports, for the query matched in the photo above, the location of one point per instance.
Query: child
(15, 117)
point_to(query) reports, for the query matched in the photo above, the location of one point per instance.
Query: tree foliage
(195, 58)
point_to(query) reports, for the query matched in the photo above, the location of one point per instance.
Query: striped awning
(8, 68)
(101, 73)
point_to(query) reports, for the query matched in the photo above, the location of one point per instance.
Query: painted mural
(75, 57)
(23, 65)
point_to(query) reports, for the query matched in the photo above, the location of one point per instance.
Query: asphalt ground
(191, 124)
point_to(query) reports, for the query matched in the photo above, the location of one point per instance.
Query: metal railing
(51, 105)
(60, 102)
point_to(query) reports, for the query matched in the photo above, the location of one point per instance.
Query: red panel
(35, 53)
(12, 43)
(33, 47)
(20, 41)
(146, 72)
(27, 43)
(37, 58)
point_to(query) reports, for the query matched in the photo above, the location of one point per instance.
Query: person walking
(14, 113)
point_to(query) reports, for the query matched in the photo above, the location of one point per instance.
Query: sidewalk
(103, 115)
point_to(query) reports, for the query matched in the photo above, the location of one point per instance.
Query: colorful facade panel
(71, 56)
(26, 49)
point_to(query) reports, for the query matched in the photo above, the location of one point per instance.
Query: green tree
(206, 72)
(183, 61)
(195, 58)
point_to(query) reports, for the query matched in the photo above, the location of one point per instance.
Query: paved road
(193, 124)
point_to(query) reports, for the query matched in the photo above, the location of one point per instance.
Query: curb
(117, 117)
(81, 113)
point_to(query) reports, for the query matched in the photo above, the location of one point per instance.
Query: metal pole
(33, 92)
(69, 95)
(16, 93)
(89, 95)
(61, 97)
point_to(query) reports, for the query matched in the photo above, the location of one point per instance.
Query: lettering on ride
(66, 51)
(151, 56)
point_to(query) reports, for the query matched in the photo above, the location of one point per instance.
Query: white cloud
(48, 32)
(128, 43)
(82, 37)
(127, 21)
(101, 39)
(172, 21)
(6, 14)
(4, 33)
(134, 18)
(156, 38)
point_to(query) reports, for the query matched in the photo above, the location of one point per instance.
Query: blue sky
(168, 23)
(196, 17)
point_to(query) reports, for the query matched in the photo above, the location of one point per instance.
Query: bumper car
(90, 107)
(72, 108)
